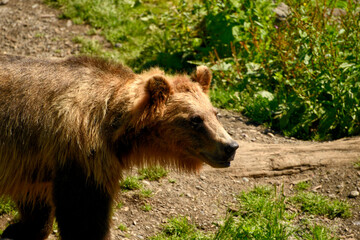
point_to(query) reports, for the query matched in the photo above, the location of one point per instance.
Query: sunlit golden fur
(99, 114)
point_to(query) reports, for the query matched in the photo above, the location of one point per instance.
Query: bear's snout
(230, 148)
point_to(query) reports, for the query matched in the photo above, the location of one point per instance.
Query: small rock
(199, 187)
(202, 177)
(118, 45)
(3, 2)
(69, 23)
(245, 179)
(354, 194)
(35, 6)
(146, 182)
(270, 134)
(339, 186)
(357, 223)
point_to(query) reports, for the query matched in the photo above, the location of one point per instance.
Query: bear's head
(177, 124)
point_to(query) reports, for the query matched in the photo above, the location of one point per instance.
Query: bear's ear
(152, 104)
(159, 90)
(203, 77)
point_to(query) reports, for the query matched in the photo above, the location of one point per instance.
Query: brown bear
(70, 127)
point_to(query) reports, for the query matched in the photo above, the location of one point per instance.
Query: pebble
(245, 179)
(202, 177)
(354, 194)
(69, 23)
(244, 135)
(146, 182)
(199, 187)
(357, 223)
(339, 186)
(270, 134)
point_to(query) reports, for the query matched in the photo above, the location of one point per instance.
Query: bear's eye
(196, 121)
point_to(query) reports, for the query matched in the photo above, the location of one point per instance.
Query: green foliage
(319, 205)
(122, 227)
(179, 228)
(126, 25)
(7, 207)
(357, 165)
(301, 186)
(262, 216)
(154, 173)
(130, 183)
(146, 208)
(146, 193)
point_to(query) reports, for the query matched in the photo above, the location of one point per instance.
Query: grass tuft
(316, 204)
(152, 173)
(130, 183)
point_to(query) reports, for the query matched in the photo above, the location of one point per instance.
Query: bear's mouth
(217, 162)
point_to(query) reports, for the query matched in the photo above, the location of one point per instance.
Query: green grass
(146, 193)
(7, 207)
(127, 25)
(122, 227)
(301, 186)
(146, 207)
(316, 204)
(152, 173)
(130, 183)
(179, 228)
(357, 165)
(264, 213)
(262, 216)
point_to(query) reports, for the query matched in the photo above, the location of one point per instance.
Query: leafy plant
(262, 216)
(319, 205)
(154, 173)
(122, 227)
(179, 228)
(146, 207)
(130, 183)
(7, 207)
(301, 186)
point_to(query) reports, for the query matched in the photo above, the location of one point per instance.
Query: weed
(178, 228)
(7, 207)
(119, 205)
(316, 204)
(301, 186)
(357, 165)
(152, 173)
(146, 208)
(130, 183)
(172, 180)
(145, 193)
(122, 227)
(262, 216)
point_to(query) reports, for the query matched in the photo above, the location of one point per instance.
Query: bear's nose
(231, 147)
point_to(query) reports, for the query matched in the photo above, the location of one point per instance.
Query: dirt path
(27, 27)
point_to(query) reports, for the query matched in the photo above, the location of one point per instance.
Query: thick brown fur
(102, 118)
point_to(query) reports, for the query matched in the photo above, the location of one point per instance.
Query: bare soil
(28, 27)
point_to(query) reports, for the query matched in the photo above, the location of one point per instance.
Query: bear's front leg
(82, 207)
(36, 220)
